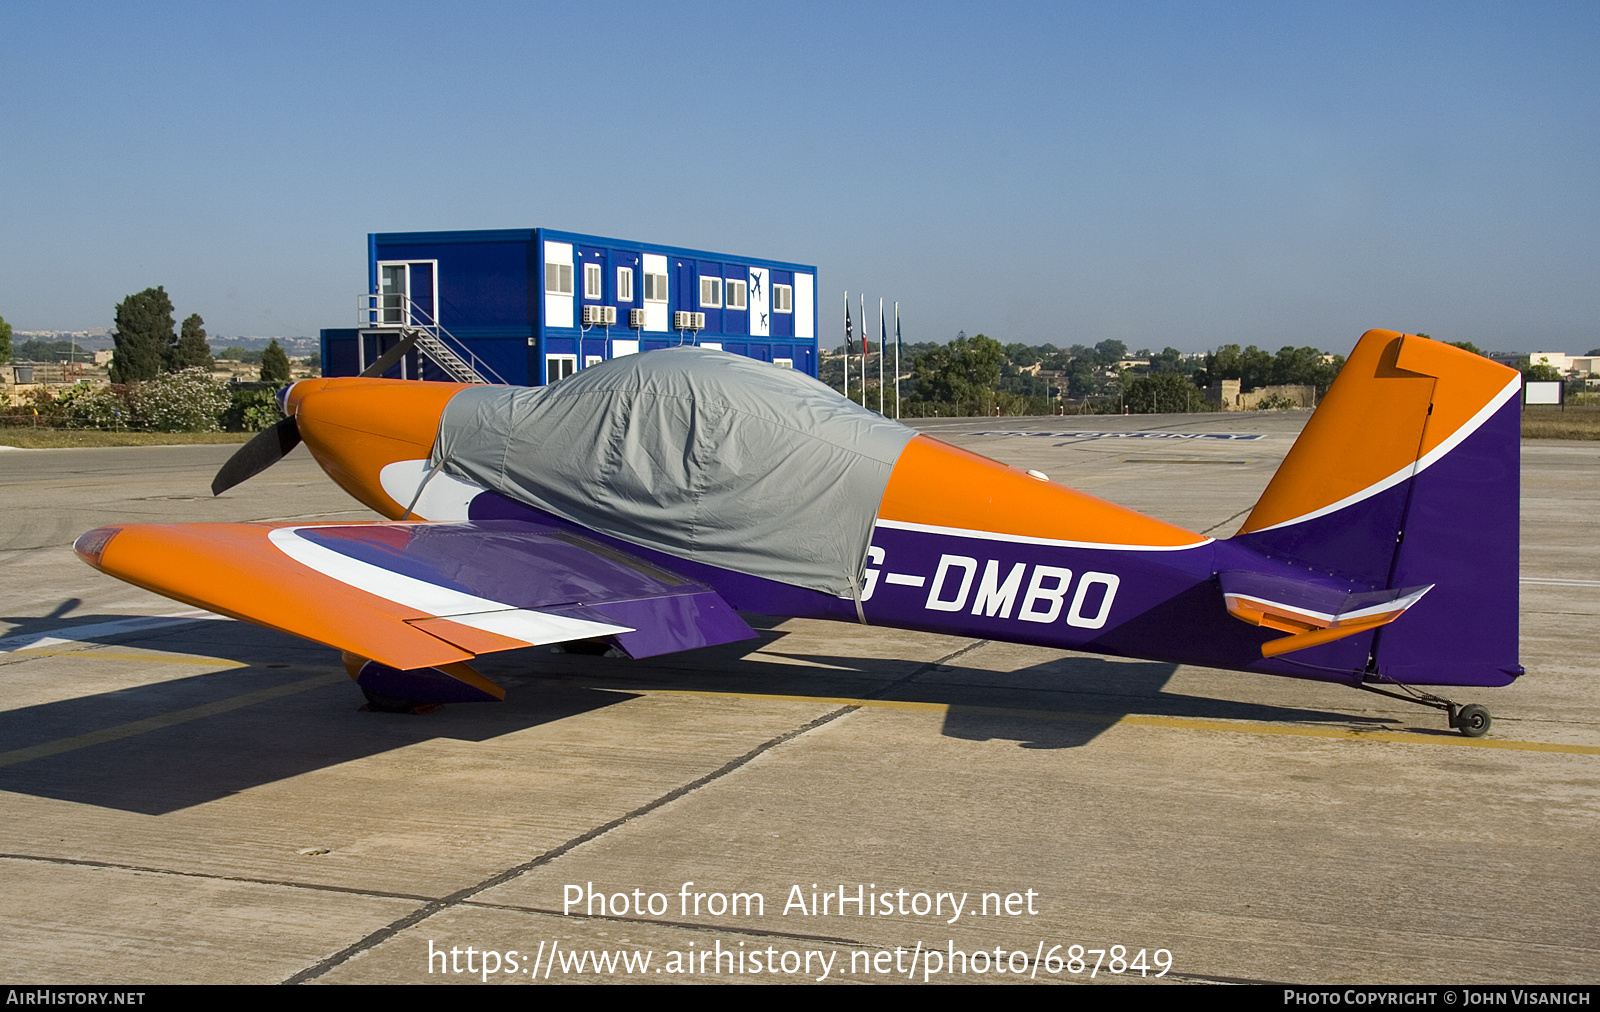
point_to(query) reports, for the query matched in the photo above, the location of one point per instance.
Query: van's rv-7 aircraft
(646, 501)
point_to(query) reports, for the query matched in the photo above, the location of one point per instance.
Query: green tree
(1252, 367)
(1110, 352)
(191, 348)
(274, 364)
(5, 341)
(959, 370)
(1162, 392)
(144, 332)
(1169, 361)
(1305, 366)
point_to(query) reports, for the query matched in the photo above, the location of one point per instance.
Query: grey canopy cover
(702, 454)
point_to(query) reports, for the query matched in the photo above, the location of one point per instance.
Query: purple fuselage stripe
(1167, 606)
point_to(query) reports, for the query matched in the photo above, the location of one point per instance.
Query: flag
(849, 330)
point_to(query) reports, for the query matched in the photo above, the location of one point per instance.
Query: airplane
(639, 505)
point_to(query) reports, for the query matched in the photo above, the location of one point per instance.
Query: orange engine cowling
(355, 427)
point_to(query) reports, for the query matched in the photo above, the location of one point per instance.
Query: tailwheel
(1472, 720)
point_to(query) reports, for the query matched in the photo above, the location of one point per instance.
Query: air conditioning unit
(599, 316)
(636, 319)
(688, 321)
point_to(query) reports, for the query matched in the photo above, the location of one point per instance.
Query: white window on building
(624, 284)
(736, 294)
(783, 363)
(559, 367)
(782, 299)
(589, 360)
(710, 293)
(558, 278)
(655, 287)
(591, 281)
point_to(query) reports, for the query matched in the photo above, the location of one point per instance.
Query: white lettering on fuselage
(1043, 601)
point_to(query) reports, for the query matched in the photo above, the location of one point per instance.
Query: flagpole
(897, 360)
(866, 349)
(847, 344)
(882, 353)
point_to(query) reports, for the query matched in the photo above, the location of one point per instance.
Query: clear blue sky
(1182, 174)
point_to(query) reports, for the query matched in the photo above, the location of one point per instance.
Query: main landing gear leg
(1471, 720)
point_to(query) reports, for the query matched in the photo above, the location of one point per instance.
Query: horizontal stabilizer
(1311, 611)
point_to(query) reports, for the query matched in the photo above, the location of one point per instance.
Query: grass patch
(1577, 421)
(41, 438)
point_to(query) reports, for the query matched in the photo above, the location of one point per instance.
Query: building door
(393, 290)
(407, 293)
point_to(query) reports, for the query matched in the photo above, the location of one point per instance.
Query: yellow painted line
(121, 655)
(1358, 735)
(160, 721)
(1144, 720)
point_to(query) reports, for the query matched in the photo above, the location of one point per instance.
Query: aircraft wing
(414, 595)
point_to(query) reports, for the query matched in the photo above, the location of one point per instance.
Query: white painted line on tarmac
(116, 627)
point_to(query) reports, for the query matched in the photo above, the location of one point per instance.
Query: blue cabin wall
(339, 352)
(491, 297)
(484, 284)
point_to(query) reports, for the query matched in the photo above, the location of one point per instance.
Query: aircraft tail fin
(1406, 476)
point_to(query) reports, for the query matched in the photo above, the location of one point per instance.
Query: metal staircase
(398, 315)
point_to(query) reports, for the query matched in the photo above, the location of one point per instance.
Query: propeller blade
(267, 448)
(272, 445)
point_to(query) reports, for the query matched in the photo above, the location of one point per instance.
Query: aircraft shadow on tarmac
(299, 714)
(1065, 702)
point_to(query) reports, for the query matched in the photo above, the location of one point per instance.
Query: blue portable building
(530, 306)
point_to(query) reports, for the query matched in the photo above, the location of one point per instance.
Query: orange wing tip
(91, 545)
